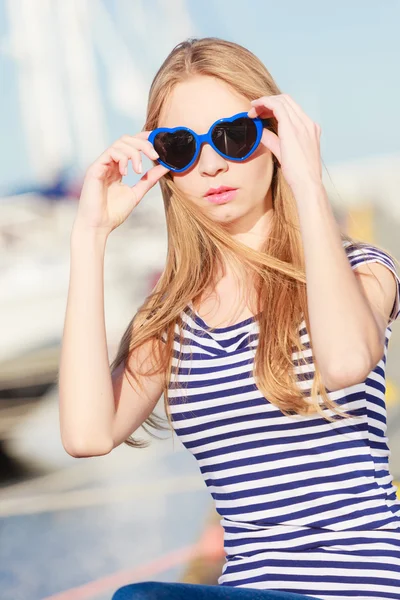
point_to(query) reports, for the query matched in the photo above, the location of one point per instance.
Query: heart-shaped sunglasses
(234, 138)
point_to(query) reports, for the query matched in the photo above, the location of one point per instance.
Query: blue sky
(339, 60)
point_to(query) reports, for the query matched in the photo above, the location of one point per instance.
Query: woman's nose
(210, 162)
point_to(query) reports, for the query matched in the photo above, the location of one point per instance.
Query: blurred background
(75, 76)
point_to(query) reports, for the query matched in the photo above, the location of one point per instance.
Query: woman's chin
(224, 214)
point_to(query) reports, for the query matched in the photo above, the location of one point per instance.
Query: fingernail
(126, 171)
(140, 167)
(155, 154)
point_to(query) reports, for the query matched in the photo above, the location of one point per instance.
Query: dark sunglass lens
(175, 149)
(235, 138)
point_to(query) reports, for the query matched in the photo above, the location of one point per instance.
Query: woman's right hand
(105, 202)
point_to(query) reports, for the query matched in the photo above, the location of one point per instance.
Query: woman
(267, 332)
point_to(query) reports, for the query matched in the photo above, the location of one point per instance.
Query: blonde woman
(267, 332)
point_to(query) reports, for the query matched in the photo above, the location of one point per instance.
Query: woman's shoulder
(360, 253)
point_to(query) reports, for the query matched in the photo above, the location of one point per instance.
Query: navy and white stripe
(307, 506)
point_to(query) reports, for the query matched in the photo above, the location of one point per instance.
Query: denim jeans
(153, 590)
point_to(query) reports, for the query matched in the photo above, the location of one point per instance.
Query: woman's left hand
(297, 144)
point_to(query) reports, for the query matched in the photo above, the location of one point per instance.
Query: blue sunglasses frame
(207, 138)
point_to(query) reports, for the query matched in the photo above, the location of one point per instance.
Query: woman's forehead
(198, 103)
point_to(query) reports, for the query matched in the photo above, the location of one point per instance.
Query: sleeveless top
(307, 506)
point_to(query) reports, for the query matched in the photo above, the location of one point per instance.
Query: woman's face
(197, 103)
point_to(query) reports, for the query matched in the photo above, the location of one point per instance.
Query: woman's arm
(346, 329)
(98, 410)
(85, 389)
(348, 333)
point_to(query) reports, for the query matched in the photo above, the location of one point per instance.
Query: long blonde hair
(196, 245)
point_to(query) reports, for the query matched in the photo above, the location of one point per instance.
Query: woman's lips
(221, 198)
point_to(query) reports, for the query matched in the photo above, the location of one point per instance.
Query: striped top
(306, 505)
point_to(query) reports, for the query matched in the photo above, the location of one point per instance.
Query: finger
(259, 108)
(270, 105)
(123, 163)
(274, 105)
(115, 155)
(297, 109)
(294, 117)
(148, 180)
(130, 153)
(143, 145)
(143, 135)
(298, 118)
(271, 141)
